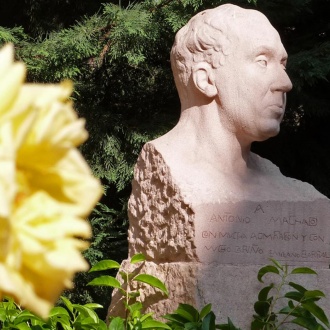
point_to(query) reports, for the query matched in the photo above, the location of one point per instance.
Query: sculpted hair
(205, 38)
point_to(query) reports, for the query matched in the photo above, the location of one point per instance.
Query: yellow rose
(46, 189)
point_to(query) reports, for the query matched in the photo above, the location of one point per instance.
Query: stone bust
(229, 69)
(201, 177)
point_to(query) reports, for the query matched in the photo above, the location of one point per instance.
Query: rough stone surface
(161, 222)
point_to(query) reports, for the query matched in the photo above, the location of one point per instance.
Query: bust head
(203, 39)
(235, 58)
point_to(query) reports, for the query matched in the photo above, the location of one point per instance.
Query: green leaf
(124, 276)
(316, 311)
(90, 321)
(146, 316)
(307, 323)
(262, 308)
(192, 326)
(189, 312)
(297, 311)
(93, 305)
(101, 325)
(263, 294)
(105, 280)
(63, 319)
(227, 326)
(178, 319)
(3, 315)
(58, 311)
(22, 326)
(314, 294)
(153, 324)
(39, 327)
(133, 294)
(104, 265)
(151, 280)
(303, 270)
(26, 315)
(117, 324)
(40, 323)
(267, 269)
(137, 258)
(297, 287)
(136, 307)
(294, 295)
(257, 324)
(231, 325)
(67, 303)
(206, 309)
(86, 312)
(286, 310)
(291, 304)
(276, 263)
(208, 322)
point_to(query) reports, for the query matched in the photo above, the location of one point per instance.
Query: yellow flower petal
(12, 76)
(46, 189)
(7, 170)
(57, 123)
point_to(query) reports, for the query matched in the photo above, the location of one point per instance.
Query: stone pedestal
(207, 246)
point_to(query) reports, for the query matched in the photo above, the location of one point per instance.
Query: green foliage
(188, 317)
(135, 319)
(14, 35)
(302, 307)
(107, 227)
(73, 317)
(63, 54)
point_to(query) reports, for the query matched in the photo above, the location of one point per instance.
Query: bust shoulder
(198, 181)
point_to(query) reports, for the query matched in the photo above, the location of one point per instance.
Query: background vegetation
(117, 53)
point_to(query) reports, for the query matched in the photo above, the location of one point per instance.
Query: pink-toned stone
(204, 210)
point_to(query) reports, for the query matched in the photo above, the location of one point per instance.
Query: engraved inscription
(292, 220)
(249, 233)
(227, 217)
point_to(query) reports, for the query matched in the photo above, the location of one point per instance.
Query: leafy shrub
(302, 307)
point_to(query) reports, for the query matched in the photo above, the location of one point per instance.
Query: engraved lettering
(232, 235)
(225, 218)
(259, 208)
(218, 248)
(292, 221)
(276, 235)
(252, 233)
(315, 237)
(249, 249)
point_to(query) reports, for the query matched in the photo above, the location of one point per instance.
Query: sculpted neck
(211, 138)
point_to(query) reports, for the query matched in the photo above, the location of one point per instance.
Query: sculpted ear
(204, 80)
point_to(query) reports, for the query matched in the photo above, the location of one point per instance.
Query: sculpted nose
(282, 82)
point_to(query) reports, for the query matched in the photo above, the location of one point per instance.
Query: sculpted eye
(262, 61)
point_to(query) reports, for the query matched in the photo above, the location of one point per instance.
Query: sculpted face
(252, 83)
